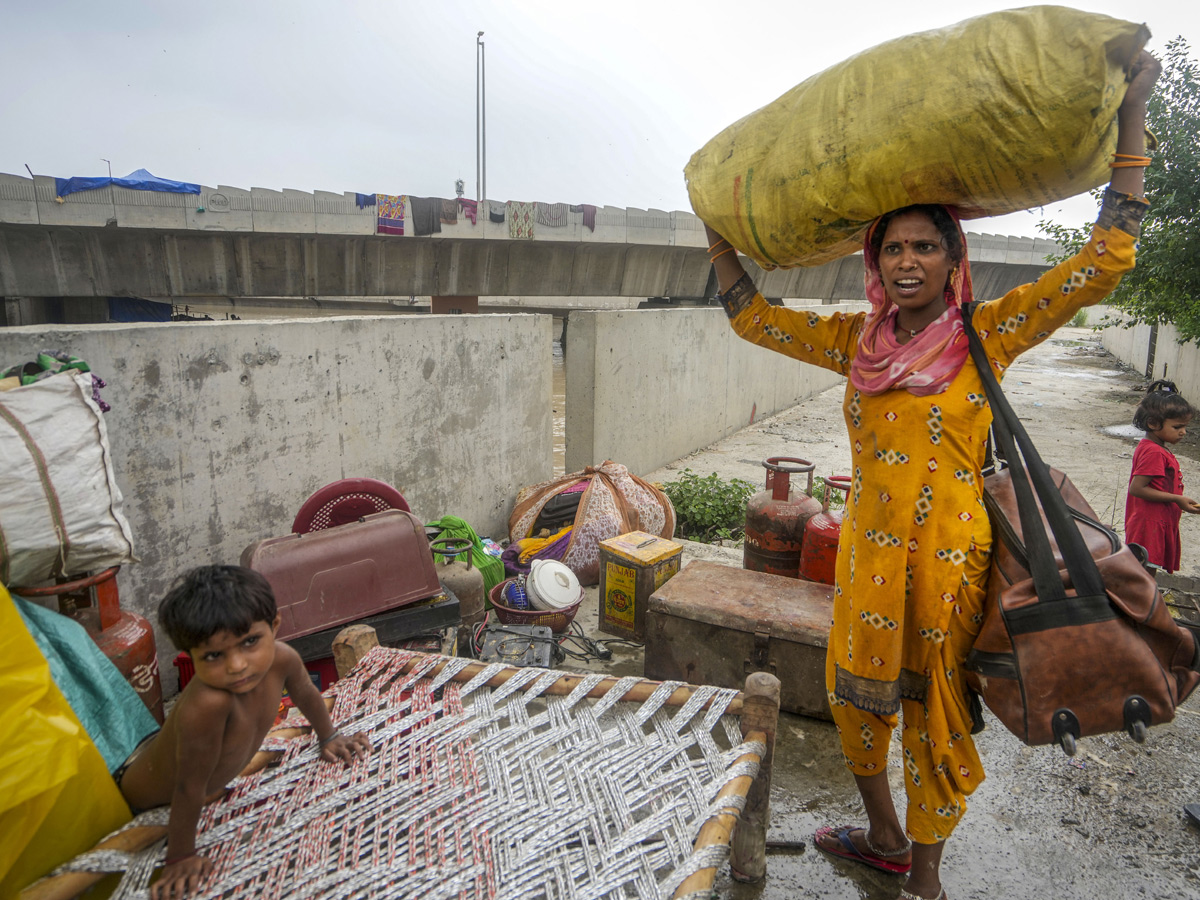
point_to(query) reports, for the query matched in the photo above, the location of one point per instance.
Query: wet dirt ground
(1108, 823)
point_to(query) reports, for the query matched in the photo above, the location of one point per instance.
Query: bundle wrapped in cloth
(1000, 113)
(614, 501)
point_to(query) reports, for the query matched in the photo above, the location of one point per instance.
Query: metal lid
(741, 600)
(551, 585)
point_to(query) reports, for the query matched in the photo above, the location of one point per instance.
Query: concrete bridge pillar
(53, 311)
(24, 311)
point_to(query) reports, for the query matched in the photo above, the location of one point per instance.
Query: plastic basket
(556, 620)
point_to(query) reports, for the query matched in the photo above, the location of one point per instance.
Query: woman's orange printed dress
(915, 545)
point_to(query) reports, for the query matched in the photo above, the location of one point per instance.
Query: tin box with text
(632, 567)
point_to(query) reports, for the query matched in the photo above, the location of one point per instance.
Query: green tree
(1165, 285)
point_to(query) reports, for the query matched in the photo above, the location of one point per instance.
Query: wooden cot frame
(757, 708)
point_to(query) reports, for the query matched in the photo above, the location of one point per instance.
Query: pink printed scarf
(930, 361)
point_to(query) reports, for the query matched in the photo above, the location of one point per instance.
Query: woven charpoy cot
(486, 781)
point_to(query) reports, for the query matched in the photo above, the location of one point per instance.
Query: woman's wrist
(1131, 134)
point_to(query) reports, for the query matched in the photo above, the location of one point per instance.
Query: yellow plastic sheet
(1003, 112)
(56, 796)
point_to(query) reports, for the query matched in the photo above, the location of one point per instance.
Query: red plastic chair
(346, 501)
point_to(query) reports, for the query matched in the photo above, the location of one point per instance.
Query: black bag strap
(1010, 434)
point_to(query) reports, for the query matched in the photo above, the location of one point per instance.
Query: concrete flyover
(236, 244)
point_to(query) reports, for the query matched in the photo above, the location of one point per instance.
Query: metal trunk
(714, 624)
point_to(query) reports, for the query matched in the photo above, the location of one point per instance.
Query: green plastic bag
(1000, 113)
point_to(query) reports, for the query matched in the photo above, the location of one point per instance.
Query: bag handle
(1011, 434)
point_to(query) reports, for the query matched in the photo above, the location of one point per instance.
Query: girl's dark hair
(1162, 401)
(209, 599)
(942, 220)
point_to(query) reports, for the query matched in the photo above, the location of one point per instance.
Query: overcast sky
(586, 102)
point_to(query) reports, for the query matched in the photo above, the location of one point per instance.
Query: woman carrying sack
(916, 544)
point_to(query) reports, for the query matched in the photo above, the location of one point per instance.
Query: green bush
(1079, 320)
(708, 509)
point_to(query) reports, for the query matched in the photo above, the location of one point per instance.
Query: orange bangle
(718, 244)
(728, 249)
(1129, 161)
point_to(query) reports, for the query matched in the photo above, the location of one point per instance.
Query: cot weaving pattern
(474, 791)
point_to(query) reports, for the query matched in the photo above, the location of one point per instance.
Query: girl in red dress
(1155, 501)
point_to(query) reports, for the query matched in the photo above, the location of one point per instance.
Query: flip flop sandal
(909, 895)
(875, 860)
(1193, 810)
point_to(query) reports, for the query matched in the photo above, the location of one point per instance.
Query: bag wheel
(1066, 729)
(1137, 718)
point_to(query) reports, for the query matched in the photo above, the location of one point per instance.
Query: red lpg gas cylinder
(818, 555)
(775, 519)
(124, 637)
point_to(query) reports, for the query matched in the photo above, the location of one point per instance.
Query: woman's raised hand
(1129, 173)
(1143, 73)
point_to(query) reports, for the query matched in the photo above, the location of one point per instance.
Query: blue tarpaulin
(141, 180)
(130, 309)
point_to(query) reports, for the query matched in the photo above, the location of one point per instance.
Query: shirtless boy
(224, 617)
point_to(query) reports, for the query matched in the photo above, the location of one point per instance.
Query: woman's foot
(856, 844)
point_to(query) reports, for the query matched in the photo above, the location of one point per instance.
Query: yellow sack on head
(1000, 113)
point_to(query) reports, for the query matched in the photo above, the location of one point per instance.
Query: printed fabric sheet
(389, 212)
(553, 215)
(520, 220)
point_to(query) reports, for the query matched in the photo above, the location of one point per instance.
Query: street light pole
(478, 194)
(480, 119)
(483, 115)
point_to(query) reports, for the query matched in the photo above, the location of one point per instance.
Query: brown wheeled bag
(1076, 639)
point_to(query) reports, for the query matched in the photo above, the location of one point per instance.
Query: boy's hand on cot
(181, 878)
(347, 748)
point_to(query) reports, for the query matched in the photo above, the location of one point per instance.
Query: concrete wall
(1176, 362)
(646, 387)
(221, 430)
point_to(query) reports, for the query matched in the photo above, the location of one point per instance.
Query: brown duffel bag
(1076, 639)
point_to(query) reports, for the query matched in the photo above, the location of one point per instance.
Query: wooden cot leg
(351, 644)
(760, 712)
